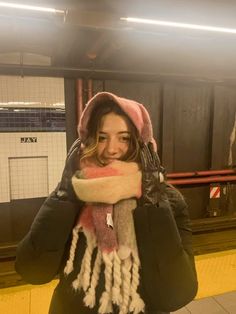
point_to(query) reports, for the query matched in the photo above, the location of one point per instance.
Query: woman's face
(113, 138)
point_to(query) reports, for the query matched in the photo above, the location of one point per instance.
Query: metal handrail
(201, 173)
(201, 177)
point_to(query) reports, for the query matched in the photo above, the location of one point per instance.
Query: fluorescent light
(180, 25)
(19, 103)
(29, 7)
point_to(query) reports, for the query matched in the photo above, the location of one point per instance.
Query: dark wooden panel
(231, 200)
(201, 206)
(197, 198)
(23, 213)
(214, 241)
(71, 111)
(224, 126)
(8, 275)
(213, 223)
(186, 127)
(5, 223)
(98, 86)
(16, 218)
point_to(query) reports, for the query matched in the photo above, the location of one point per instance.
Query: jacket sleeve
(164, 241)
(39, 254)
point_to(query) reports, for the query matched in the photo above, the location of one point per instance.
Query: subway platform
(216, 294)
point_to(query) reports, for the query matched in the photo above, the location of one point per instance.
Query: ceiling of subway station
(91, 36)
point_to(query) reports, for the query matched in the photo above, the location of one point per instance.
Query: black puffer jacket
(168, 276)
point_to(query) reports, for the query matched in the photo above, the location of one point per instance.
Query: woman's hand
(152, 175)
(64, 190)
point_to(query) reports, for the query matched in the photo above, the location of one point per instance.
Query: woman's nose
(112, 146)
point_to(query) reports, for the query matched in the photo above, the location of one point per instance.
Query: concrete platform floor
(219, 304)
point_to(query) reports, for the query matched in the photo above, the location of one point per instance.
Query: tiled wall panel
(49, 145)
(33, 91)
(46, 154)
(28, 177)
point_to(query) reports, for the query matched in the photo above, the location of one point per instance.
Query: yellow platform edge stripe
(216, 275)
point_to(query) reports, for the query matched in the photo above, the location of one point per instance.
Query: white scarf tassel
(137, 305)
(126, 281)
(116, 289)
(76, 284)
(83, 278)
(105, 300)
(69, 264)
(90, 297)
(91, 244)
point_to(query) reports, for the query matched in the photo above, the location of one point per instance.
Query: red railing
(201, 177)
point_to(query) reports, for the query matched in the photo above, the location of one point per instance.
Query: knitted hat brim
(134, 110)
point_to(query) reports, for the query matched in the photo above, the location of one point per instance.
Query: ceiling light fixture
(30, 7)
(180, 25)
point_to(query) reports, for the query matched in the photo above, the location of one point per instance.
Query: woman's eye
(125, 139)
(102, 138)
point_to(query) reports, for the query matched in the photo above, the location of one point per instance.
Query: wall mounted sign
(28, 139)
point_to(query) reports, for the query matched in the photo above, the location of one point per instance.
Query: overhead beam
(94, 19)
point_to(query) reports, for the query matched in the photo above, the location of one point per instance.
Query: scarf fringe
(116, 289)
(69, 265)
(121, 278)
(136, 305)
(83, 278)
(90, 297)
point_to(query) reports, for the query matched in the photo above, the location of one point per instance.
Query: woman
(116, 233)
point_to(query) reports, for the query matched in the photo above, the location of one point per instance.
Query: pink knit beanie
(136, 112)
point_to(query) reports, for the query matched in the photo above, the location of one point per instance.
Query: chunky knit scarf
(106, 220)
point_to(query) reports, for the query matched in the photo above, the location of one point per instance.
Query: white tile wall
(39, 91)
(28, 177)
(51, 146)
(16, 156)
